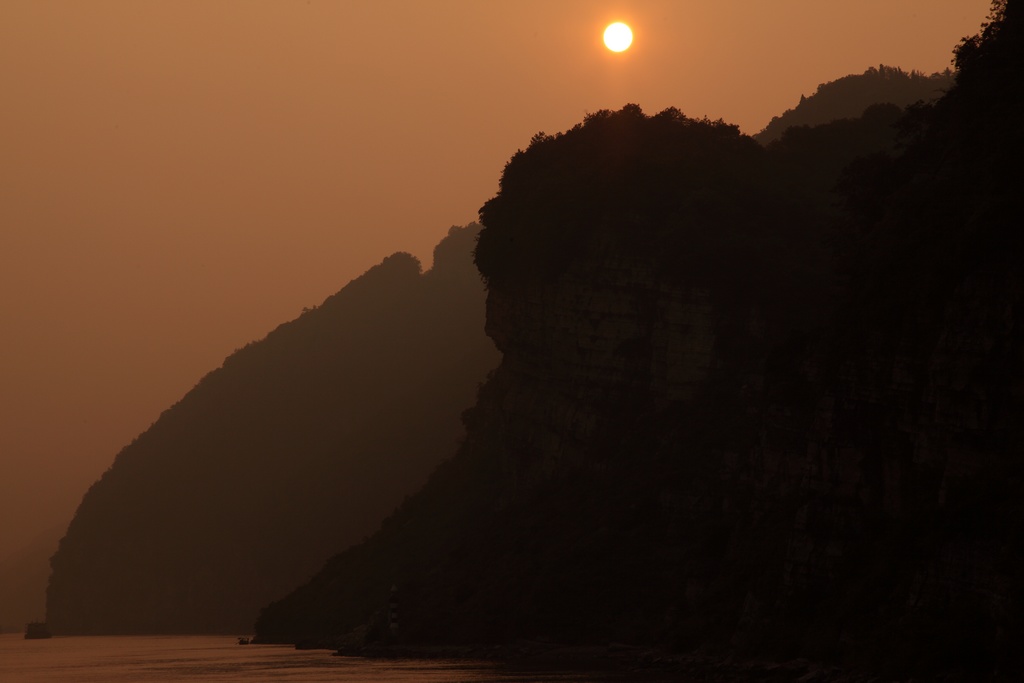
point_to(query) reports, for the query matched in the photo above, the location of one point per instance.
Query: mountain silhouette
(300, 444)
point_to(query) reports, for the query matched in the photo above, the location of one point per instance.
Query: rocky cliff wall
(575, 351)
(852, 494)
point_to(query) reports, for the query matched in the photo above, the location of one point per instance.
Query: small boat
(37, 629)
(244, 641)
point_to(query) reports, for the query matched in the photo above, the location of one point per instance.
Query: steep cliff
(283, 455)
(635, 330)
(704, 435)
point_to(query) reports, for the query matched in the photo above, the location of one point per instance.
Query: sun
(618, 37)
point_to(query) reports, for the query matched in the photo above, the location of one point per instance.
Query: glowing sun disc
(618, 37)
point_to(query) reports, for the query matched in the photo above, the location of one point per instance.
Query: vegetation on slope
(849, 96)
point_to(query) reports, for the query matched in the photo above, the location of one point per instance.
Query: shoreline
(616, 658)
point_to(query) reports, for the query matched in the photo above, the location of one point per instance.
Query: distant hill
(849, 96)
(300, 444)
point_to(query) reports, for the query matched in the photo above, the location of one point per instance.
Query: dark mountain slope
(849, 96)
(300, 444)
(686, 445)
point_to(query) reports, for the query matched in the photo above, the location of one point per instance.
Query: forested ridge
(849, 96)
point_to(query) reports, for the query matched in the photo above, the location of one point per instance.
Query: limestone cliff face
(862, 491)
(920, 435)
(575, 351)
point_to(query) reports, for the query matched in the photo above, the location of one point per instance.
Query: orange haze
(177, 177)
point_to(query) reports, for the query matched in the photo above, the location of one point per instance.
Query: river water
(151, 659)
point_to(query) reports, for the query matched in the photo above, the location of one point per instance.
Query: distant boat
(244, 641)
(37, 629)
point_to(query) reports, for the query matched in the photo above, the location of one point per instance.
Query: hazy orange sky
(178, 177)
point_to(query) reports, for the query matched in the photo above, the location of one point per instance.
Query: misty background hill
(300, 444)
(698, 439)
(849, 96)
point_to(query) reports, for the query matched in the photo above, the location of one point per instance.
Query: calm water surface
(148, 659)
